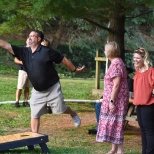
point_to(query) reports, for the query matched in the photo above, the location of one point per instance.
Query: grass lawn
(64, 138)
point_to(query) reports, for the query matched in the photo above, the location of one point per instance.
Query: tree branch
(147, 12)
(98, 25)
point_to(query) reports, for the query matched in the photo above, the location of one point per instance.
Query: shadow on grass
(54, 150)
(59, 150)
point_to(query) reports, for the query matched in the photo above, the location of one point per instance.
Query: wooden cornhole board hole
(28, 139)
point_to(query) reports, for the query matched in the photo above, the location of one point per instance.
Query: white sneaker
(77, 121)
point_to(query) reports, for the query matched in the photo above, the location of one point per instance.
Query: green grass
(72, 89)
(62, 140)
(78, 89)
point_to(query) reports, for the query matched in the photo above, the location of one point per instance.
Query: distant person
(23, 82)
(97, 107)
(38, 61)
(130, 82)
(144, 98)
(115, 101)
(98, 104)
(45, 42)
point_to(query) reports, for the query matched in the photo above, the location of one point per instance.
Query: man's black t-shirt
(39, 65)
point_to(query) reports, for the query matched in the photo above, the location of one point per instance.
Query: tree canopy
(110, 15)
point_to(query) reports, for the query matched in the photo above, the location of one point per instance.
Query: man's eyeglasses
(32, 36)
(140, 51)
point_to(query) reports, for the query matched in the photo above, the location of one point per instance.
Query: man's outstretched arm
(6, 45)
(69, 65)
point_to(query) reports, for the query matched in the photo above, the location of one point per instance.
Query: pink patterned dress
(110, 127)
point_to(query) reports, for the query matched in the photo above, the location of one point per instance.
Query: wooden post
(98, 60)
(97, 83)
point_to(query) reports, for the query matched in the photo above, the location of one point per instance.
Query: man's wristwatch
(74, 69)
(112, 101)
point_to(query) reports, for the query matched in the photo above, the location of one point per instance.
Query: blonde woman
(115, 101)
(144, 98)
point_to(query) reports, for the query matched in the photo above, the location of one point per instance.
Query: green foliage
(30, 13)
(135, 39)
(20, 16)
(7, 65)
(79, 56)
(17, 43)
(16, 16)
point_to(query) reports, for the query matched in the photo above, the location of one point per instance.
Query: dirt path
(60, 125)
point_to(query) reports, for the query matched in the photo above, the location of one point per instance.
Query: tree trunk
(58, 35)
(117, 25)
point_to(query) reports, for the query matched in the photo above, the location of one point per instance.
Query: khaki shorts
(53, 97)
(23, 80)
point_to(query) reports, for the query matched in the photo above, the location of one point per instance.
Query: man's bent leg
(35, 124)
(70, 111)
(75, 117)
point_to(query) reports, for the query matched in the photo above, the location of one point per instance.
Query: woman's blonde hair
(114, 50)
(145, 55)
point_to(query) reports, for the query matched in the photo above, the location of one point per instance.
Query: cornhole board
(28, 139)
